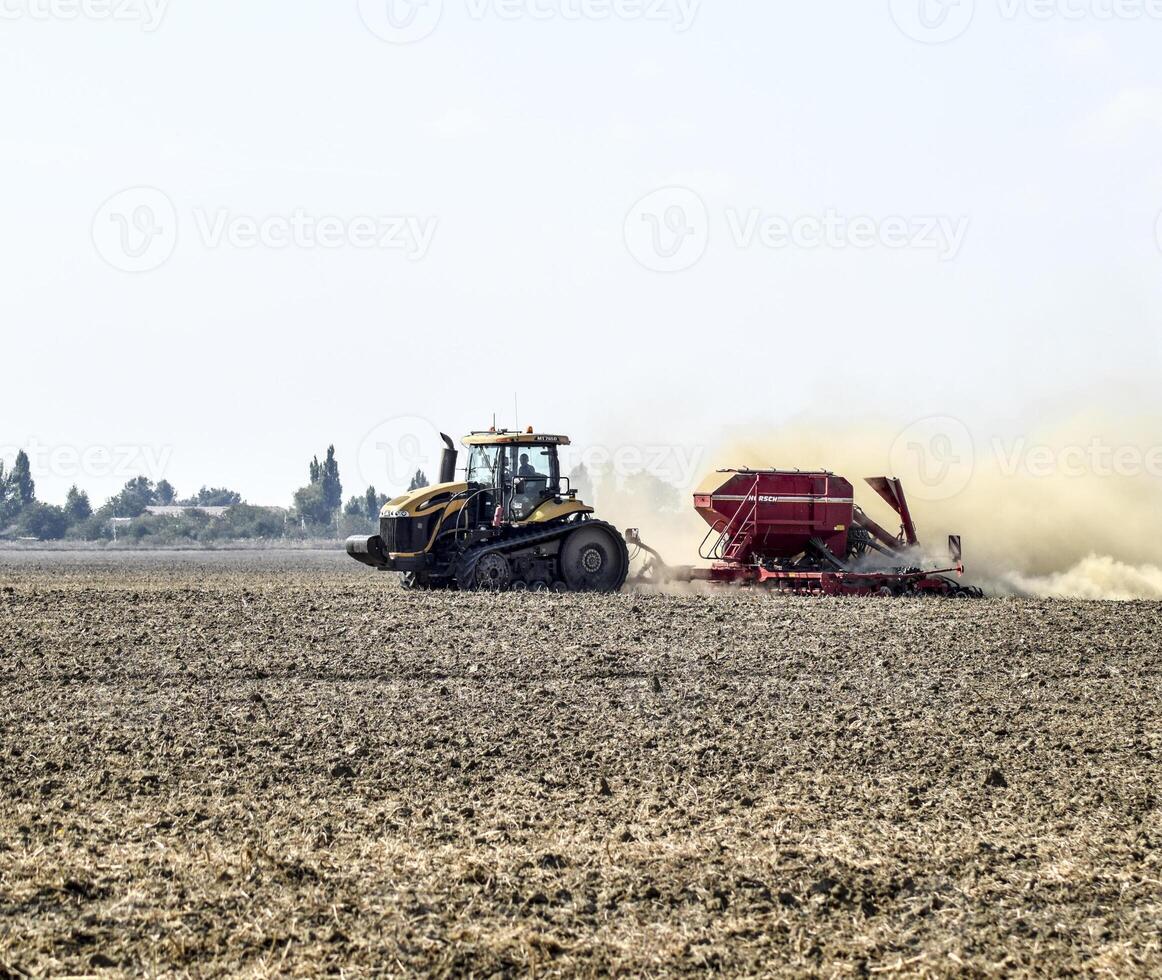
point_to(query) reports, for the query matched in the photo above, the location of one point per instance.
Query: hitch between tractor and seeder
(802, 532)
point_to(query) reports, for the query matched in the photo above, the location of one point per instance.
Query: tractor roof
(505, 438)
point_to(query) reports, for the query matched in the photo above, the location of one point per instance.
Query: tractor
(513, 523)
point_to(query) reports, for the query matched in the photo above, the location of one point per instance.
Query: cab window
(483, 464)
(535, 467)
(531, 474)
(533, 462)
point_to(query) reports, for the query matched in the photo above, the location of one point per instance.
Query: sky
(236, 233)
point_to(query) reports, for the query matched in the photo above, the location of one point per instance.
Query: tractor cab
(518, 472)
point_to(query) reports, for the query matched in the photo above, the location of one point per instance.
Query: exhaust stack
(448, 460)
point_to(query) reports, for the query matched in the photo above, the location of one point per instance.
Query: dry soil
(283, 764)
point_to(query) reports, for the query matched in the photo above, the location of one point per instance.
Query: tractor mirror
(954, 548)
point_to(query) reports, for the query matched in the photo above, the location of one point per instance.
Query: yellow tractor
(514, 523)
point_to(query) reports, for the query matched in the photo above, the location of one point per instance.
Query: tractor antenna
(515, 413)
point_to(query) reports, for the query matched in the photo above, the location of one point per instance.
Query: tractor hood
(417, 503)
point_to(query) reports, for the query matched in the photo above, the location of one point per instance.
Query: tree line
(318, 510)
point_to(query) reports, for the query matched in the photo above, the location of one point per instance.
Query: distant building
(177, 510)
(180, 510)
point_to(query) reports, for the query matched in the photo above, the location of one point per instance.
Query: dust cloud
(1063, 511)
(1096, 578)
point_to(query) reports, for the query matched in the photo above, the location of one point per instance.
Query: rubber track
(466, 567)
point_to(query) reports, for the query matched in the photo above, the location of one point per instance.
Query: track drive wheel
(594, 559)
